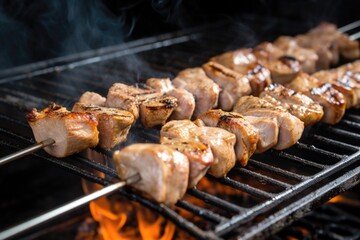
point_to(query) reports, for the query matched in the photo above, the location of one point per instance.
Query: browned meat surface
(152, 107)
(186, 101)
(199, 154)
(72, 132)
(128, 97)
(332, 101)
(245, 62)
(290, 127)
(233, 85)
(155, 111)
(220, 141)
(306, 57)
(268, 129)
(196, 82)
(344, 82)
(298, 104)
(283, 67)
(164, 171)
(92, 98)
(246, 134)
(113, 124)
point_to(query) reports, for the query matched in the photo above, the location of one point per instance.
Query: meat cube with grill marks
(290, 127)
(199, 154)
(220, 141)
(113, 124)
(298, 104)
(332, 101)
(233, 85)
(72, 132)
(345, 82)
(164, 172)
(153, 107)
(205, 91)
(185, 100)
(247, 135)
(245, 62)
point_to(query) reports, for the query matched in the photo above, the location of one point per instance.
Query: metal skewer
(26, 151)
(20, 228)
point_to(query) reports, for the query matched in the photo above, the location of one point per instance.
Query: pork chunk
(72, 132)
(113, 124)
(233, 85)
(220, 141)
(247, 135)
(268, 129)
(205, 91)
(290, 127)
(199, 154)
(164, 171)
(298, 104)
(92, 98)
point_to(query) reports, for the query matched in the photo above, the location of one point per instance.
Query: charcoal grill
(276, 188)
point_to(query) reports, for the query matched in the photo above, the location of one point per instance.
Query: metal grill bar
(215, 200)
(246, 188)
(298, 159)
(276, 170)
(202, 212)
(314, 149)
(262, 178)
(336, 143)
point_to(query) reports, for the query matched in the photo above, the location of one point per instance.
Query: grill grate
(324, 162)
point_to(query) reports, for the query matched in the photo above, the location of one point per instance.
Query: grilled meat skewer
(72, 132)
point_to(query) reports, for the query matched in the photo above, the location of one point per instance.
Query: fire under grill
(276, 188)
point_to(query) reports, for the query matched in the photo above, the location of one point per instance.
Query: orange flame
(125, 220)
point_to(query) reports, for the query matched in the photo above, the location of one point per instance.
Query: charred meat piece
(128, 97)
(247, 135)
(153, 107)
(186, 101)
(205, 91)
(245, 62)
(233, 85)
(345, 82)
(72, 132)
(298, 104)
(290, 127)
(268, 129)
(164, 171)
(92, 98)
(306, 57)
(283, 67)
(220, 141)
(199, 154)
(155, 111)
(332, 101)
(113, 124)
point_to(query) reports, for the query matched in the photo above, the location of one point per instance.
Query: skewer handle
(11, 232)
(26, 151)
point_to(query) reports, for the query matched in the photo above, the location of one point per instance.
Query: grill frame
(295, 200)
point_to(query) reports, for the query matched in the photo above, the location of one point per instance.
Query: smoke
(35, 30)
